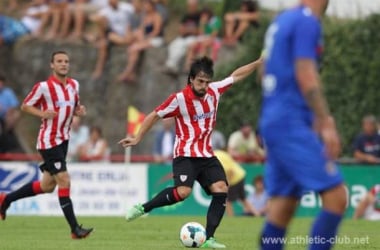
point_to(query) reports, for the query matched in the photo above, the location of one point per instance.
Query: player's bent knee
(184, 192)
(219, 187)
(335, 199)
(63, 179)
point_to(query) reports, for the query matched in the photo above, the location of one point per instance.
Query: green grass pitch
(161, 232)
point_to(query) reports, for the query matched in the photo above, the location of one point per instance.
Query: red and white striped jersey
(195, 118)
(375, 190)
(53, 95)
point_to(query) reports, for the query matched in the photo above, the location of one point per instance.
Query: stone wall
(106, 99)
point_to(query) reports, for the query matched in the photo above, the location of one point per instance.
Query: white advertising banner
(96, 188)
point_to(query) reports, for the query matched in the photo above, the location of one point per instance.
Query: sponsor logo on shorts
(183, 178)
(57, 165)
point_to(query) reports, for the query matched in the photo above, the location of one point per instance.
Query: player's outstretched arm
(47, 114)
(147, 124)
(244, 71)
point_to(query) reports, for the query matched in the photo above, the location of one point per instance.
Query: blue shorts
(296, 163)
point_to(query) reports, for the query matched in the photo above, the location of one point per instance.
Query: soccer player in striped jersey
(194, 110)
(55, 101)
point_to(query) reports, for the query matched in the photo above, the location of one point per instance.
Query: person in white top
(35, 17)
(95, 148)
(369, 206)
(113, 23)
(243, 145)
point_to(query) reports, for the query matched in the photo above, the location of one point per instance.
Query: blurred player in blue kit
(298, 130)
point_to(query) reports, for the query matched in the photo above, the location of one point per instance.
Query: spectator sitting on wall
(81, 11)
(207, 43)
(164, 142)
(149, 35)
(259, 198)
(114, 27)
(60, 16)
(243, 145)
(367, 144)
(236, 23)
(369, 206)
(96, 147)
(31, 23)
(79, 135)
(9, 116)
(188, 32)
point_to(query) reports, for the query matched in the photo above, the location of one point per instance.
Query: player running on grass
(194, 110)
(298, 130)
(55, 101)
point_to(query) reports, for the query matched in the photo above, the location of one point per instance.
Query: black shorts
(54, 158)
(206, 171)
(236, 192)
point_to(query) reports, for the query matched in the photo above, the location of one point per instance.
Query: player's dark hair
(2, 78)
(203, 64)
(56, 53)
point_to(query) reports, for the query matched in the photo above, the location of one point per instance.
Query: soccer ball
(192, 234)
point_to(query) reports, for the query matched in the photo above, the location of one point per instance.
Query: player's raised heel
(211, 243)
(3, 209)
(134, 212)
(80, 232)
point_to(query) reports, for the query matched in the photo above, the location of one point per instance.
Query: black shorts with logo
(54, 158)
(206, 171)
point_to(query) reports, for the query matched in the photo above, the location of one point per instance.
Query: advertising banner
(358, 178)
(96, 188)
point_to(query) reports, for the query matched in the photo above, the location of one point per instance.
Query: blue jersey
(296, 158)
(294, 34)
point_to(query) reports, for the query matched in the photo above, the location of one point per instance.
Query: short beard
(197, 93)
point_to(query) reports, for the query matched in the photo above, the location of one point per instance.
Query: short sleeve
(169, 108)
(222, 86)
(307, 36)
(34, 97)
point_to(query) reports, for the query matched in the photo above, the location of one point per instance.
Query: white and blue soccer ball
(192, 234)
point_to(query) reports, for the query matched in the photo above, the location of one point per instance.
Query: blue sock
(272, 237)
(325, 228)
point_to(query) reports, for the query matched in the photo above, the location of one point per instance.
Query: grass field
(161, 233)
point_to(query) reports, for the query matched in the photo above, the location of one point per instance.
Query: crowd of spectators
(138, 25)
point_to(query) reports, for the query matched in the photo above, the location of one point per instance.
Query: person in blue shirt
(367, 143)
(298, 130)
(9, 116)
